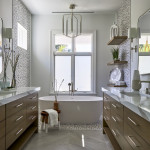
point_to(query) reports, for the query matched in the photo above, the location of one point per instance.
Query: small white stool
(44, 119)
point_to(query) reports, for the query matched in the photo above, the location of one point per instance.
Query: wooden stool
(45, 115)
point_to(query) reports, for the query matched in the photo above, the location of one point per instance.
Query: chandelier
(72, 23)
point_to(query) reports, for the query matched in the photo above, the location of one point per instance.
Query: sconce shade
(7, 32)
(133, 33)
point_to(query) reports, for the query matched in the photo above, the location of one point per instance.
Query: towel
(53, 117)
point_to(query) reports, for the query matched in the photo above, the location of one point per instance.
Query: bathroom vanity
(18, 117)
(126, 118)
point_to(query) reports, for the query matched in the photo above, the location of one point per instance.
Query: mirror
(144, 44)
(1, 43)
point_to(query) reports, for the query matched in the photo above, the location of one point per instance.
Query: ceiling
(45, 7)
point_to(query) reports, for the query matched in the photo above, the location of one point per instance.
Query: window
(74, 60)
(22, 37)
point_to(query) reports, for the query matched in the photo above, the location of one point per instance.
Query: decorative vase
(13, 82)
(136, 83)
(114, 30)
(4, 82)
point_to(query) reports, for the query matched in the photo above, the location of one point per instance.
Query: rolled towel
(53, 117)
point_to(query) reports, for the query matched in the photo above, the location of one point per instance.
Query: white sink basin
(131, 94)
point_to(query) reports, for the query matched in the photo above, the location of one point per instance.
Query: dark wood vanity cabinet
(115, 128)
(125, 129)
(18, 122)
(2, 127)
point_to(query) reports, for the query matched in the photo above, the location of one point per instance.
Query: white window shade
(22, 37)
(62, 71)
(83, 73)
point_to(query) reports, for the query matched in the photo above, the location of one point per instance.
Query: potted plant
(115, 54)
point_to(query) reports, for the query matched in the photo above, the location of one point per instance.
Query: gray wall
(41, 27)
(6, 12)
(23, 16)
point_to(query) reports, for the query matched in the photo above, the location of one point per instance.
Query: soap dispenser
(136, 82)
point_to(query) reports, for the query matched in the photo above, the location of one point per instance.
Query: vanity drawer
(106, 109)
(15, 120)
(31, 99)
(2, 143)
(118, 136)
(31, 118)
(2, 129)
(14, 107)
(2, 112)
(117, 108)
(117, 121)
(138, 124)
(14, 134)
(136, 142)
(107, 118)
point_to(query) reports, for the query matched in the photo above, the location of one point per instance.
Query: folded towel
(53, 117)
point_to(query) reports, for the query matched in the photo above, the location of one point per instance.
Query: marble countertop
(138, 103)
(7, 96)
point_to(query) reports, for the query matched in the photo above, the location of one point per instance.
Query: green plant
(115, 53)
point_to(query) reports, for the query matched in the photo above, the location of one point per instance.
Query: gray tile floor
(69, 140)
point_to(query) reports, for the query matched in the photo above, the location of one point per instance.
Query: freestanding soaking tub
(75, 109)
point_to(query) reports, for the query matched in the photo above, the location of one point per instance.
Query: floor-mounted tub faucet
(71, 89)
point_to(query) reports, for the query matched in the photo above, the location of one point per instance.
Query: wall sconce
(134, 33)
(7, 33)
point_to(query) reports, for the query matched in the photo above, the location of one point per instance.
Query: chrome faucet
(71, 89)
(147, 89)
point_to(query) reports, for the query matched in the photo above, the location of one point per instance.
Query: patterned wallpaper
(124, 22)
(23, 16)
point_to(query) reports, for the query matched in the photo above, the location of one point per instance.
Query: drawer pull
(134, 143)
(113, 132)
(132, 121)
(19, 105)
(33, 107)
(106, 118)
(114, 105)
(19, 131)
(105, 98)
(19, 118)
(33, 97)
(33, 117)
(114, 119)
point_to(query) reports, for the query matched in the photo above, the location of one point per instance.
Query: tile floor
(65, 139)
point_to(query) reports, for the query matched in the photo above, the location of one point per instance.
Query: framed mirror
(144, 44)
(1, 43)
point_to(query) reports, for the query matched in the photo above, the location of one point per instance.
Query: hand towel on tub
(53, 117)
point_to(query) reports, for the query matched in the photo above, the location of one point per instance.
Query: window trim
(73, 54)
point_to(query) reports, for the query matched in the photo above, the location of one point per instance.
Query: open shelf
(23, 139)
(118, 63)
(117, 40)
(112, 139)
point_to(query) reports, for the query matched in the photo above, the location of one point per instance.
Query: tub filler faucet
(71, 89)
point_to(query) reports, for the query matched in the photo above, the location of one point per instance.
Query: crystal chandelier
(72, 23)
